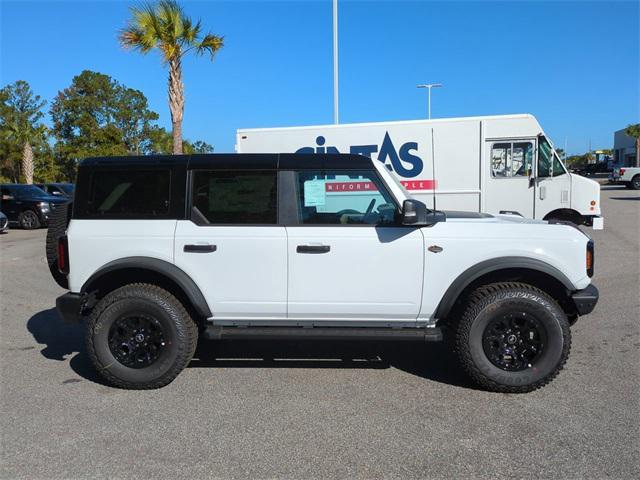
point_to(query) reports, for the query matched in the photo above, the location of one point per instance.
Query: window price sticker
(315, 194)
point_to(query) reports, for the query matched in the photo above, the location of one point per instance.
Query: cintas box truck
(492, 164)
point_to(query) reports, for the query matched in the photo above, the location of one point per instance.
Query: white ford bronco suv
(157, 251)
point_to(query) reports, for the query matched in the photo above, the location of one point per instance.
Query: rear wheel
(140, 337)
(635, 182)
(512, 338)
(29, 220)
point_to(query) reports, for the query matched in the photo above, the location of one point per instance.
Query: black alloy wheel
(136, 341)
(514, 341)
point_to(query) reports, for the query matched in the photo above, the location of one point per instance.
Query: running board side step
(216, 332)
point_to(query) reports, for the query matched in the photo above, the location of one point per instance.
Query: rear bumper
(69, 307)
(586, 299)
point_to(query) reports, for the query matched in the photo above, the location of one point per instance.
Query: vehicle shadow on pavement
(625, 198)
(61, 340)
(431, 361)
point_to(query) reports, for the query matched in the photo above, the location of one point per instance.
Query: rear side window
(129, 194)
(236, 197)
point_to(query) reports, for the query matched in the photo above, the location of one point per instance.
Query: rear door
(349, 262)
(508, 183)
(233, 247)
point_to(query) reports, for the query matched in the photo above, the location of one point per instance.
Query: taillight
(622, 170)
(590, 258)
(63, 255)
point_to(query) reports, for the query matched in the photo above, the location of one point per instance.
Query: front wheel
(29, 220)
(512, 338)
(140, 337)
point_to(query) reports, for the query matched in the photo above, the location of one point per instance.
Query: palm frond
(209, 44)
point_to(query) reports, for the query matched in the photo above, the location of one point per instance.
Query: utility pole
(336, 116)
(429, 86)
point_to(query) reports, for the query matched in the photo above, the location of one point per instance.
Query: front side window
(511, 159)
(236, 197)
(129, 193)
(343, 198)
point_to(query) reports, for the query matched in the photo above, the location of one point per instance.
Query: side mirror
(415, 212)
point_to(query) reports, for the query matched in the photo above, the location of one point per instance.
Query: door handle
(200, 248)
(313, 248)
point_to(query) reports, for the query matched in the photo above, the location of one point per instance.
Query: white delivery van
(491, 164)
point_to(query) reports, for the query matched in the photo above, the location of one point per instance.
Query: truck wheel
(635, 182)
(58, 222)
(28, 220)
(512, 338)
(140, 337)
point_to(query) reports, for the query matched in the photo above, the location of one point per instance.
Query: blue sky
(575, 65)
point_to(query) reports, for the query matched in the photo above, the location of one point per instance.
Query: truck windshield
(549, 165)
(30, 191)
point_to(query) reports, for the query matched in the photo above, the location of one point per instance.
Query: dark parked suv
(28, 205)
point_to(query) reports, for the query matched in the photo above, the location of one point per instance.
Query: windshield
(66, 187)
(549, 165)
(30, 190)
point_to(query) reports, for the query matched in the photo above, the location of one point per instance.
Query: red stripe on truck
(370, 186)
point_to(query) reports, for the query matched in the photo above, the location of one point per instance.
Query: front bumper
(585, 300)
(69, 307)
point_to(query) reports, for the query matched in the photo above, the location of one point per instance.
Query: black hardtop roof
(244, 161)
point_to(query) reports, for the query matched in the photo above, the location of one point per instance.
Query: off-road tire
(58, 222)
(635, 183)
(28, 220)
(181, 336)
(496, 299)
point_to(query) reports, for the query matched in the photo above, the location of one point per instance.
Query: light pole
(429, 86)
(335, 62)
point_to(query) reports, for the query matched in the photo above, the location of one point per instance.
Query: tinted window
(129, 193)
(343, 198)
(236, 197)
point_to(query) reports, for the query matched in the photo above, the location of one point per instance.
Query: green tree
(98, 116)
(162, 143)
(634, 131)
(165, 27)
(20, 130)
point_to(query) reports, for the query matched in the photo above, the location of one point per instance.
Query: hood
(459, 216)
(49, 198)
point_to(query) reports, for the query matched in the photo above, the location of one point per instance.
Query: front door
(553, 184)
(349, 262)
(508, 182)
(232, 246)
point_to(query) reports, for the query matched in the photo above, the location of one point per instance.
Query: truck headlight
(44, 207)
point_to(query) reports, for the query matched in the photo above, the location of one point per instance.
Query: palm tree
(164, 26)
(20, 115)
(634, 131)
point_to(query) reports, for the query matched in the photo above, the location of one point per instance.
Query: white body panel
(94, 243)
(246, 277)
(560, 246)
(369, 274)
(454, 168)
(627, 175)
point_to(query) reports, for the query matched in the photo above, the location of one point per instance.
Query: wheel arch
(148, 270)
(521, 269)
(565, 213)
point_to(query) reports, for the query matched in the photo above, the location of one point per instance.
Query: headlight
(44, 206)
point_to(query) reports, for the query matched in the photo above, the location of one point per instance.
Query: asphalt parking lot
(320, 410)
